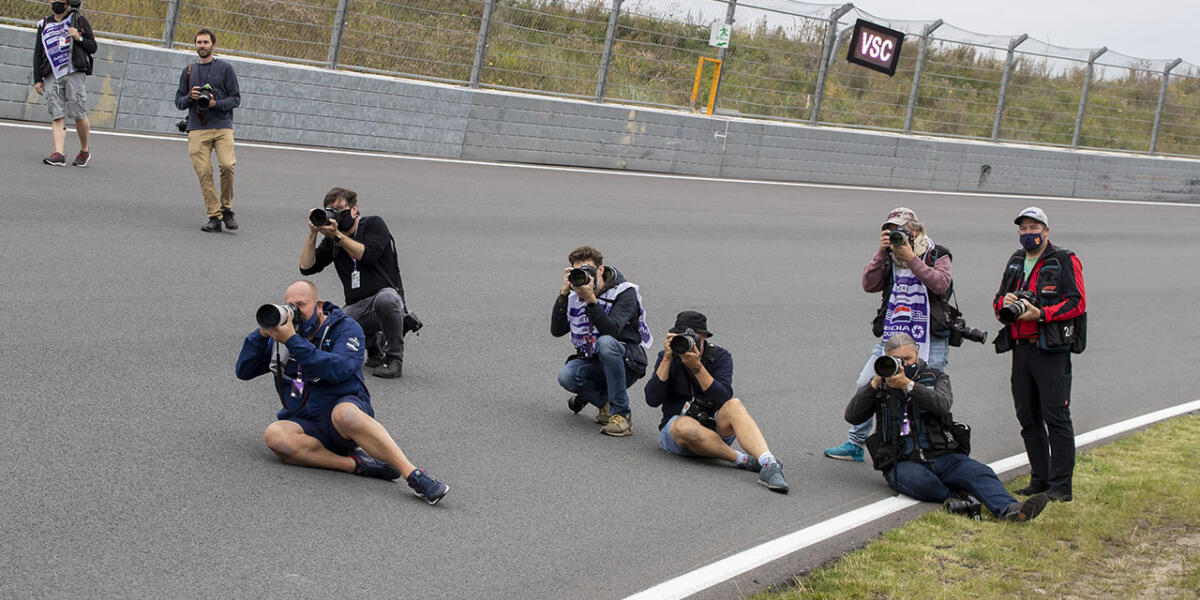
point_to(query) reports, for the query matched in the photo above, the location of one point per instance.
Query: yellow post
(712, 92)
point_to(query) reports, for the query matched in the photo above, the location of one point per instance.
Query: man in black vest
(364, 254)
(1043, 304)
(914, 443)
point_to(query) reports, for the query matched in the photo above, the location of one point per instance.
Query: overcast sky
(1144, 28)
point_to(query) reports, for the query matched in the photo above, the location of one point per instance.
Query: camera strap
(199, 114)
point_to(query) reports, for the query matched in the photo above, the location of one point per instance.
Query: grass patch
(1133, 531)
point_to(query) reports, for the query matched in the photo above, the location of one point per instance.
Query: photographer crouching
(604, 315)
(693, 383)
(916, 443)
(363, 252)
(315, 353)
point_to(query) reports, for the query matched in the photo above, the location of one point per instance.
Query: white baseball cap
(1034, 213)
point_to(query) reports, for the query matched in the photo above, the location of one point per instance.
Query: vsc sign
(875, 47)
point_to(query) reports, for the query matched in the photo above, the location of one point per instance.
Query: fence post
(610, 38)
(722, 52)
(169, 25)
(1008, 68)
(335, 39)
(485, 24)
(826, 52)
(1162, 99)
(912, 95)
(1087, 83)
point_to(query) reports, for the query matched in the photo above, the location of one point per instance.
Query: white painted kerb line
(707, 576)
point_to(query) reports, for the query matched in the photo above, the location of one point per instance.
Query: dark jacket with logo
(331, 365)
(928, 409)
(1057, 282)
(81, 51)
(681, 387)
(621, 321)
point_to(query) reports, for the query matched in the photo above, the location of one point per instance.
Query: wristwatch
(338, 238)
(909, 388)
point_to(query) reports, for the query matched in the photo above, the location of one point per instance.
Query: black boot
(227, 217)
(213, 225)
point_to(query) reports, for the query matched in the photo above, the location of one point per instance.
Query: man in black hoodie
(62, 59)
(604, 315)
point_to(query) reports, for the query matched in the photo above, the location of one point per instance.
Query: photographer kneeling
(315, 353)
(914, 443)
(693, 382)
(363, 252)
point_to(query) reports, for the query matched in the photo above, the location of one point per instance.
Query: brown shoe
(618, 426)
(602, 415)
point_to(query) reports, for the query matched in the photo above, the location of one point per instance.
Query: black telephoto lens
(579, 277)
(886, 366)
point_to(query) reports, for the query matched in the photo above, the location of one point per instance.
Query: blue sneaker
(772, 477)
(847, 451)
(427, 487)
(372, 467)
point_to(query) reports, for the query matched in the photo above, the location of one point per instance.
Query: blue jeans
(939, 357)
(940, 478)
(600, 379)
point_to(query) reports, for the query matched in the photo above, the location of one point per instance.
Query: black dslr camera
(276, 315)
(684, 342)
(959, 331)
(182, 125)
(320, 217)
(701, 412)
(206, 96)
(581, 276)
(1009, 312)
(900, 237)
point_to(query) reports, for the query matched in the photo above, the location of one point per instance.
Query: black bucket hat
(690, 319)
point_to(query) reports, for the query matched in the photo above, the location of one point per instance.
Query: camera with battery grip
(702, 412)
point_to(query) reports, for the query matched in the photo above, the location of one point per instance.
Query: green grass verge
(1133, 531)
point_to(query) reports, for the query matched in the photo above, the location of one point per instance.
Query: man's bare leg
(289, 442)
(701, 440)
(353, 424)
(58, 131)
(735, 419)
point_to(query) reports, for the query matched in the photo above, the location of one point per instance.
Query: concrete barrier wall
(133, 89)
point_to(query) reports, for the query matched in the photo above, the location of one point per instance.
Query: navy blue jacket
(331, 372)
(679, 386)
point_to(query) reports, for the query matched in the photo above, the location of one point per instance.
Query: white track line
(459, 161)
(707, 576)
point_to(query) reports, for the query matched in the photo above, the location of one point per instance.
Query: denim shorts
(669, 445)
(326, 433)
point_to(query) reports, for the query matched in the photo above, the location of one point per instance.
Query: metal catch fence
(785, 60)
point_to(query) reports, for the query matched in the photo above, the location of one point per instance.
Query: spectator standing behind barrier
(914, 443)
(364, 253)
(914, 279)
(62, 60)
(1043, 304)
(605, 316)
(700, 415)
(316, 354)
(208, 90)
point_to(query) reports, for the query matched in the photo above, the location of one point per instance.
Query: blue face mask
(310, 325)
(1031, 241)
(910, 371)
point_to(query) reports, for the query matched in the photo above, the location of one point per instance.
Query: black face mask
(58, 7)
(345, 220)
(910, 371)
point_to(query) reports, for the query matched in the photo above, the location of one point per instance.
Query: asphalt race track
(132, 463)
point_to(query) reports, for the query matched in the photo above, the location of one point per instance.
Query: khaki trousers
(201, 143)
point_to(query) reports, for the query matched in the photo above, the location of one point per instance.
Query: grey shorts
(66, 97)
(670, 446)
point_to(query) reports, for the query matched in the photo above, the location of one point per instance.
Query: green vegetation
(1132, 532)
(554, 46)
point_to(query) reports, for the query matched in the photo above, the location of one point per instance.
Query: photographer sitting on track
(693, 382)
(917, 445)
(315, 354)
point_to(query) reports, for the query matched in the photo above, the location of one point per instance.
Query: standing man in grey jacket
(208, 90)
